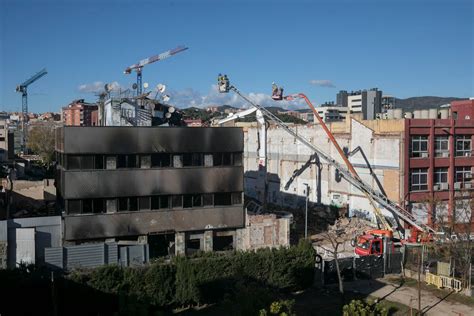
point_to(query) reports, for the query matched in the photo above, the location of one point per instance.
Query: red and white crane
(142, 63)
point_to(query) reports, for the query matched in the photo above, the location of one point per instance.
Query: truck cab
(369, 245)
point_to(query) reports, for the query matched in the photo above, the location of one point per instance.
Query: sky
(404, 47)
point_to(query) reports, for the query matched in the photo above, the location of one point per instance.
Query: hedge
(207, 278)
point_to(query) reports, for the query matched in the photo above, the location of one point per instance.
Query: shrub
(359, 308)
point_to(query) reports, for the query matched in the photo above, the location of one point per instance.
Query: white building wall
(285, 155)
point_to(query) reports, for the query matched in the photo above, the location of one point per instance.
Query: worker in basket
(277, 93)
(223, 83)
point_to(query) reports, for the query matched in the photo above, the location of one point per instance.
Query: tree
(41, 142)
(336, 237)
(456, 242)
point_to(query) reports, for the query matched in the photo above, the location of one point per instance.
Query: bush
(359, 308)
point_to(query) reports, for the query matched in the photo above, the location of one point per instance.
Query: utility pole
(306, 212)
(419, 281)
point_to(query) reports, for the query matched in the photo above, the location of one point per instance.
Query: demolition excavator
(371, 242)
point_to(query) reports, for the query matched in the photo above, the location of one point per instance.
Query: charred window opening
(160, 160)
(99, 161)
(123, 204)
(74, 206)
(236, 198)
(222, 199)
(208, 199)
(121, 161)
(98, 205)
(133, 204)
(187, 201)
(161, 245)
(237, 159)
(145, 161)
(223, 243)
(193, 245)
(177, 201)
(197, 200)
(86, 206)
(144, 203)
(164, 201)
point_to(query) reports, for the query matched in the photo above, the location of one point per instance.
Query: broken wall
(263, 231)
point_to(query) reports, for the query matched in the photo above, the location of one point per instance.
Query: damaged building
(177, 189)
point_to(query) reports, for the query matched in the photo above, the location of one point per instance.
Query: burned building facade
(170, 186)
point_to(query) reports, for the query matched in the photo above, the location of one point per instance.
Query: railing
(443, 282)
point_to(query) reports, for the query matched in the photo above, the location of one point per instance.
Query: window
(111, 205)
(419, 146)
(111, 162)
(164, 201)
(441, 175)
(441, 146)
(98, 205)
(131, 161)
(86, 206)
(177, 161)
(237, 159)
(463, 145)
(463, 174)
(155, 202)
(208, 199)
(236, 198)
(187, 201)
(222, 199)
(208, 160)
(160, 160)
(133, 204)
(99, 161)
(197, 200)
(177, 201)
(197, 159)
(145, 161)
(144, 203)
(73, 162)
(419, 179)
(123, 204)
(74, 206)
(121, 161)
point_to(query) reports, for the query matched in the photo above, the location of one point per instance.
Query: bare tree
(456, 243)
(337, 237)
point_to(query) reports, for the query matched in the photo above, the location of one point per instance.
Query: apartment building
(161, 185)
(439, 164)
(78, 113)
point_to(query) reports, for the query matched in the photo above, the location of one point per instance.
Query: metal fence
(95, 255)
(366, 267)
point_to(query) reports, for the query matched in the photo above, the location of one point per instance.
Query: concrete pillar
(208, 240)
(180, 243)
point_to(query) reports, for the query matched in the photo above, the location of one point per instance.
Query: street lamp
(306, 212)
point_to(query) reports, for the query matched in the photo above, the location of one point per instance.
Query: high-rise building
(364, 103)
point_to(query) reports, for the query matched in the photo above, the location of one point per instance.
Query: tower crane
(142, 63)
(347, 171)
(23, 89)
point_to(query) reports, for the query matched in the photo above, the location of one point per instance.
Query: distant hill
(421, 103)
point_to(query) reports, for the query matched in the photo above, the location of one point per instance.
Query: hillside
(420, 103)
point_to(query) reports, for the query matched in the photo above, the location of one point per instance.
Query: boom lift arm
(356, 181)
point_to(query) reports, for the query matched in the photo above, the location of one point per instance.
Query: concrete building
(4, 137)
(332, 113)
(363, 104)
(381, 142)
(78, 113)
(175, 188)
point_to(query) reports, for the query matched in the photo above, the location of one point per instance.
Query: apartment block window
(237, 159)
(463, 174)
(197, 200)
(98, 206)
(442, 146)
(194, 159)
(86, 206)
(123, 204)
(144, 203)
(419, 179)
(160, 202)
(441, 176)
(74, 206)
(111, 162)
(419, 146)
(463, 145)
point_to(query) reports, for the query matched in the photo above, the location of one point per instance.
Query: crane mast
(356, 181)
(23, 89)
